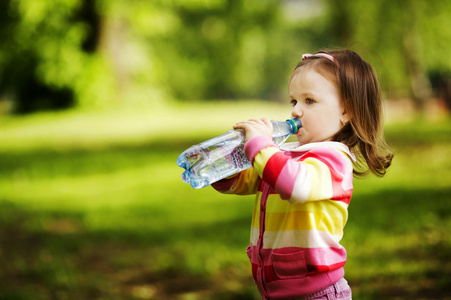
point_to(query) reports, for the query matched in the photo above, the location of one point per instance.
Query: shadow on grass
(83, 161)
(399, 244)
(53, 256)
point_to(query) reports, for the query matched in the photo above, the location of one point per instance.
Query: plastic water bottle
(224, 156)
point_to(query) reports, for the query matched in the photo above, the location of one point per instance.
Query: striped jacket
(303, 193)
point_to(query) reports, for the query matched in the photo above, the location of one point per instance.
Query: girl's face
(317, 103)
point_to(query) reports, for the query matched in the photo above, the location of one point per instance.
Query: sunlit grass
(91, 203)
(131, 126)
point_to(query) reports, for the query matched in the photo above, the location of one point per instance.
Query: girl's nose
(297, 112)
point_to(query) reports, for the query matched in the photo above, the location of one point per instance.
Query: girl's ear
(344, 117)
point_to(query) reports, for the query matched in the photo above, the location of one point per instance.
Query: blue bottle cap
(295, 125)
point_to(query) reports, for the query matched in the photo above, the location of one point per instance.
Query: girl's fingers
(267, 122)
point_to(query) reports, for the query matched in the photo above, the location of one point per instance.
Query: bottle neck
(295, 124)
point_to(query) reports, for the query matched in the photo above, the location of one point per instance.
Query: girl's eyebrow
(303, 95)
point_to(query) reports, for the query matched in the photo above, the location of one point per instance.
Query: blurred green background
(98, 98)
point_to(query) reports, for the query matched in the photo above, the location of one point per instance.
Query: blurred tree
(407, 34)
(60, 53)
(222, 49)
(27, 40)
(195, 50)
(48, 58)
(90, 17)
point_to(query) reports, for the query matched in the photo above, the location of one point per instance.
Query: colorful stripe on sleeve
(318, 175)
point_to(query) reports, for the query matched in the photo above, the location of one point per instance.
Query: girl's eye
(293, 102)
(309, 101)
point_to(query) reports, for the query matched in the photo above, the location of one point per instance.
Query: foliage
(92, 207)
(98, 53)
(403, 39)
(209, 49)
(47, 59)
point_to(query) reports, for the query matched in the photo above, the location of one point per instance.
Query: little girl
(304, 188)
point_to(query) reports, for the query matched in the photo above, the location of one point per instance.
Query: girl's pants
(339, 290)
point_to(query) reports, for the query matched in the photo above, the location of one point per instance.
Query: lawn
(92, 207)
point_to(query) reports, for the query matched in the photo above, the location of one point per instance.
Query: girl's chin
(302, 141)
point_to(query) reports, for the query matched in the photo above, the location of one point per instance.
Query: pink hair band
(328, 56)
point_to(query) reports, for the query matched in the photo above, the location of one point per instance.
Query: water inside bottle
(223, 155)
(205, 164)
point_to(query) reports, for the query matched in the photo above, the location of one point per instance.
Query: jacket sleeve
(244, 183)
(320, 174)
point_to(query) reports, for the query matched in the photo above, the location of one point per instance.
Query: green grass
(92, 207)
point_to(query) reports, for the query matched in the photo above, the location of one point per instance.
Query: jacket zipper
(263, 200)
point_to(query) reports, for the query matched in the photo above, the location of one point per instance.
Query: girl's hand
(255, 127)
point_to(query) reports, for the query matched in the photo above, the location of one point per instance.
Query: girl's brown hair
(361, 95)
